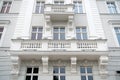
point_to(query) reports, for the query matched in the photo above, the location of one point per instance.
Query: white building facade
(60, 39)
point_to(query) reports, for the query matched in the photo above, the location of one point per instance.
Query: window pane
(39, 36)
(8, 8)
(78, 30)
(33, 36)
(82, 70)
(118, 37)
(62, 70)
(55, 29)
(28, 77)
(35, 78)
(3, 9)
(84, 36)
(55, 70)
(78, 36)
(116, 29)
(55, 36)
(62, 77)
(0, 36)
(37, 9)
(83, 77)
(35, 70)
(29, 70)
(84, 30)
(62, 30)
(90, 77)
(55, 78)
(34, 29)
(62, 36)
(89, 70)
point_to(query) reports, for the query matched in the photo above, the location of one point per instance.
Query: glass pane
(83, 29)
(40, 29)
(83, 77)
(39, 36)
(35, 78)
(82, 70)
(1, 29)
(5, 3)
(90, 77)
(78, 30)
(0, 35)
(78, 36)
(34, 29)
(62, 36)
(55, 78)
(62, 69)
(55, 70)
(55, 36)
(33, 36)
(35, 70)
(89, 70)
(62, 77)
(8, 8)
(3, 9)
(37, 9)
(116, 29)
(29, 70)
(28, 78)
(84, 36)
(62, 30)
(118, 37)
(56, 30)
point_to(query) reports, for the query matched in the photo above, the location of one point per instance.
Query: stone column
(73, 64)
(45, 64)
(24, 20)
(94, 21)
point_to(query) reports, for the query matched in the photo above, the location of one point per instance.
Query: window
(81, 33)
(36, 33)
(78, 7)
(112, 7)
(86, 73)
(1, 32)
(59, 33)
(58, 73)
(39, 7)
(6, 7)
(32, 73)
(117, 31)
(59, 2)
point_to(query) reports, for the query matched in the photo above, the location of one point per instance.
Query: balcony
(60, 45)
(59, 12)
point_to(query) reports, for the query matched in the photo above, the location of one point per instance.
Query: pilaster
(73, 64)
(103, 62)
(15, 67)
(45, 64)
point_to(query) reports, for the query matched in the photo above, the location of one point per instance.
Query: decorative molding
(4, 21)
(73, 64)
(103, 62)
(45, 64)
(15, 67)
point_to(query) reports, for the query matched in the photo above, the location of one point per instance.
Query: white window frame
(42, 3)
(59, 2)
(37, 32)
(86, 74)
(59, 74)
(110, 8)
(81, 33)
(6, 7)
(78, 5)
(59, 32)
(32, 74)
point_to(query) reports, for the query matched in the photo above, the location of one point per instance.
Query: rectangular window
(59, 33)
(39, 7)
(36, 33)
(112, 7)
(86, 73)
(58, 73)
(78, 7)
(59, 2)
(81, 33)
(6, 7)
(1, 31)
(117, 31)
(32, 73)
